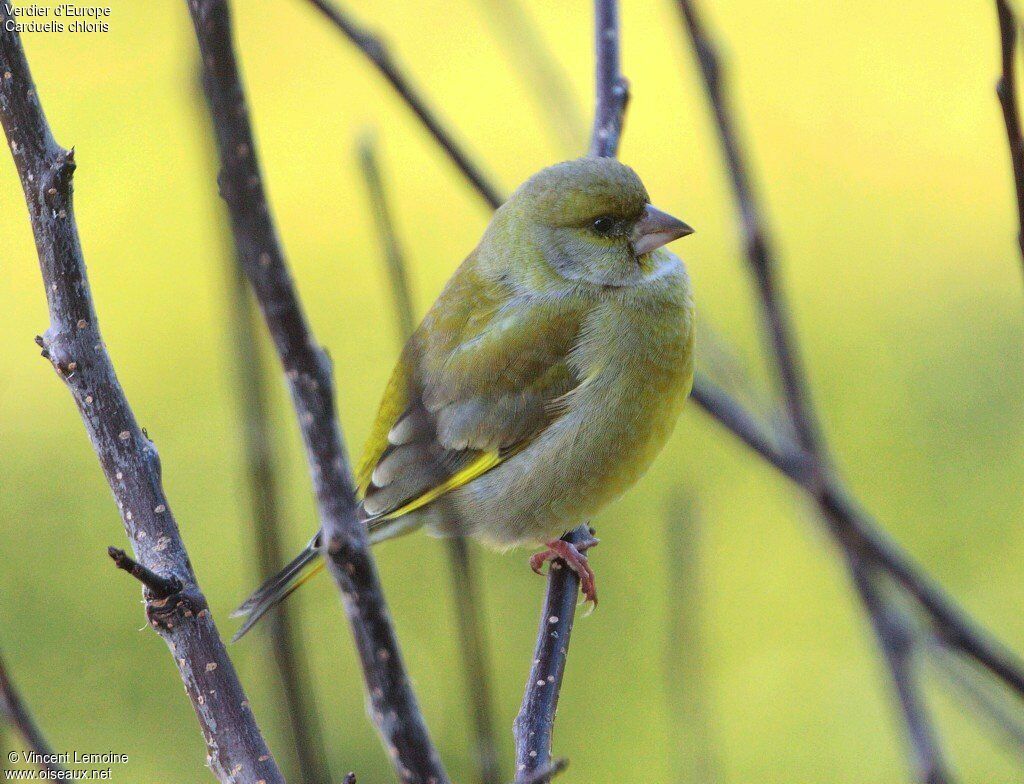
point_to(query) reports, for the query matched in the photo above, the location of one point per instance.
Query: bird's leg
(573, 556)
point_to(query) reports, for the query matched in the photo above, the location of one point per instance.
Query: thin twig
(262, 472)
(465, 588)
(685, 666)
(20, 717)
(897, 643)
(392, 703)
(1006, 90)
(534, 62)
(535, 722)
(237, 751)
(159, 587)
(376, 51)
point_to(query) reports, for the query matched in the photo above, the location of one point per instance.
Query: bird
(540, 385)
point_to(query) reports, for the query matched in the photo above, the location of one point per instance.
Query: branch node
(159, 588)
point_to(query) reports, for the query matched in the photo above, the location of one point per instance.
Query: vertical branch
(262, 464)
(685, 666)
(392, 704)
(1006, 90)
(74, 346)
(612, 89)
(465, 585)
(262, 469)
(18, 716)
(375, 50)
(533, 726)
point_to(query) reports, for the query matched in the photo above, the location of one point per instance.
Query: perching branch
(17, 714)
(461, 564)
(1006, 90)
(237, 751)
(392, 703)
(533, 726)
(376, 51)
(612, 93)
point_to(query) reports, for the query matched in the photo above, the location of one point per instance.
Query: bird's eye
(604, 225)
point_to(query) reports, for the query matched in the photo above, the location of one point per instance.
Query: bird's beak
(656, 228)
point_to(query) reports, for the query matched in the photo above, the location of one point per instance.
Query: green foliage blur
(879, 149)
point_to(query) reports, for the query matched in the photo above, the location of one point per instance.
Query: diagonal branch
(237, 751)
(377, 52)
(898, 645)
(392, 703)
(14, 709)
(1006, 90)
(462, 569)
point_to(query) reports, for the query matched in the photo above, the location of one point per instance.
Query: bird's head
(590, 219)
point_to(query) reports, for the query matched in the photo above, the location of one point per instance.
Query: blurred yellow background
(879, 149)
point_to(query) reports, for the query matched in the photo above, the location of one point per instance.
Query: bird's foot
(574, 558)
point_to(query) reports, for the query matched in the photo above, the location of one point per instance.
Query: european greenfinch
(542, 382)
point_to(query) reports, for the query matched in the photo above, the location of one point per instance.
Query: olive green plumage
(545, 378)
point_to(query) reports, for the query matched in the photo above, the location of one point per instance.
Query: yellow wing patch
(481, 465)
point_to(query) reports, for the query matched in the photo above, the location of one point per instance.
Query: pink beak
(655, 229)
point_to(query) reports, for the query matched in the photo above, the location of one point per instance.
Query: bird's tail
(305, 566)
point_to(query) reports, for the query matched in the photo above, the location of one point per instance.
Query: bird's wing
(482, 377)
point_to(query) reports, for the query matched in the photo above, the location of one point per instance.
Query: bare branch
(159, 587)
(533, 725)
(237, 751)
(465, 586)
(252, 376)
(262, 471)
(612, 87)
(18, 716)
(1006, 90)
(896, 641)
(535, 722)
(392, 703)
(376, 51)
(849, 521)
(546, 772)
(759, 251)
